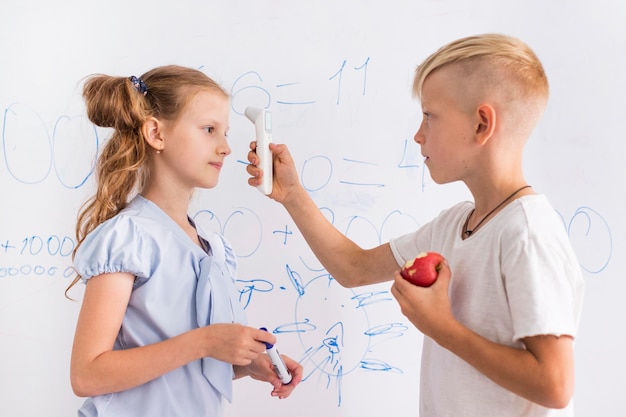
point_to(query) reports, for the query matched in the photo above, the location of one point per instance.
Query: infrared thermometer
(279, 365)
(262, 120)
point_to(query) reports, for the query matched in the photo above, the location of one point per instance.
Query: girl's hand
(262, 369)
(234, 343)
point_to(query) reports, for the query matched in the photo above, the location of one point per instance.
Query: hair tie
(139, 85)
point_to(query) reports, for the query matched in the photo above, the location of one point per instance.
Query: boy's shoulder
(531, 215)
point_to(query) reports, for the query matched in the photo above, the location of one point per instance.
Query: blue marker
(279, 365)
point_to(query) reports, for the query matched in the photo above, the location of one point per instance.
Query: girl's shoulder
(126, 242)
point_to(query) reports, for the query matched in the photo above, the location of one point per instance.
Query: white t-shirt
(516, 276)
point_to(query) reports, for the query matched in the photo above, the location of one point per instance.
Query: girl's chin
(208, 183)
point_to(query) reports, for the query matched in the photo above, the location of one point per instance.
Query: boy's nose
(419, 138)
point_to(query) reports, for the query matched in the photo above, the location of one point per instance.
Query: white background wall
(337, 76)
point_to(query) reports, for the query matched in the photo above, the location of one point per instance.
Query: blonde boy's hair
(497, 58)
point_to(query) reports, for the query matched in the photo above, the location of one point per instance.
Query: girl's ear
(151, 130)
(486, 123)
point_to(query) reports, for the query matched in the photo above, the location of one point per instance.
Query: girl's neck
(175, 205)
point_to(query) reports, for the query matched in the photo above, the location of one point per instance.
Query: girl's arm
(97, 369)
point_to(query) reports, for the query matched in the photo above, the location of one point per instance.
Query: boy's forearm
(326, 242)
(542, 373)
(348, 263)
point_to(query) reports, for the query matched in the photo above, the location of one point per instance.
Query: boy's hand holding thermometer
(279, 365)
(262, 120)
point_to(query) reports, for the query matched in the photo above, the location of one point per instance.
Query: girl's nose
(224, 149)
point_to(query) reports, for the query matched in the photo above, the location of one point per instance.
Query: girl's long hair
(117, 103)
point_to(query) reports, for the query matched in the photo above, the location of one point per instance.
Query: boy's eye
(426, 116)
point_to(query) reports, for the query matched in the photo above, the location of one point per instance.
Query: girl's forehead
(205, 107)
(205, 101)
(210, 97)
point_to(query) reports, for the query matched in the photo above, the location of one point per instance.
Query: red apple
(422, 270)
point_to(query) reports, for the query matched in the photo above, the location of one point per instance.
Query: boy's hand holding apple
(423, 270)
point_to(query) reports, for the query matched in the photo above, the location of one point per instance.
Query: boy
(500, 320)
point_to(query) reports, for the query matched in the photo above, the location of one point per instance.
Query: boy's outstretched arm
(348, 263)
(542, 373)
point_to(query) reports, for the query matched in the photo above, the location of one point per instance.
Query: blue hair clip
(139, 85)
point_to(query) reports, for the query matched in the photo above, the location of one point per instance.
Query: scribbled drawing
(334, 330)
(31, 153)
(423, 176)
(243, 228)
(338, 76)
(410, 156)
(72, 135)
(363, 231)
(367, 169)
(26, 144)
(247, 288)
(386, 331)
(54, 245)
(591, 238)
(294, 102)
(364, 68)
(285, 232)
(247, 90)
(316, 172)
(296, 280)
(331, 322)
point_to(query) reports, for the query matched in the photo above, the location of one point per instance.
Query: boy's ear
(486, 123)
(151, 130)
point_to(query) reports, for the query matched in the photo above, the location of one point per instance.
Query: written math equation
(250, 87)
(39, 256)
(63, 149)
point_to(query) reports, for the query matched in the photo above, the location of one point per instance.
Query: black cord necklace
(469, 232)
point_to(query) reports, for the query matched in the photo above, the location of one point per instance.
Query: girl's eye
(209, 129)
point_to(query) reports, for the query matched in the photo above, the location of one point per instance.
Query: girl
(161, 331)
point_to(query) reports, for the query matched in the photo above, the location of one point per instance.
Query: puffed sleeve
(117, 245)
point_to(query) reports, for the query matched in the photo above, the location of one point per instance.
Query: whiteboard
(336, 76)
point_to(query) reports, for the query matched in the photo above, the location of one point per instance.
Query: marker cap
(267, 345)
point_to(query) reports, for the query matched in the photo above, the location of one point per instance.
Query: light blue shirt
(178, 287)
